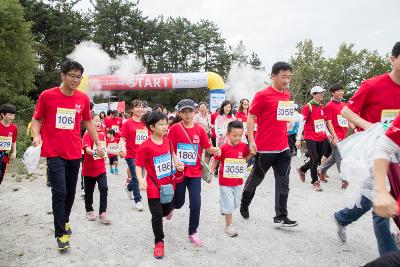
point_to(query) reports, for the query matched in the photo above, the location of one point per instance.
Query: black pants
(280, 163)
(315, 151)
(3, 167)
(63, 176)
(326, 149)
(90, 183)
(158, 211)
(292, 143)
(390, 259)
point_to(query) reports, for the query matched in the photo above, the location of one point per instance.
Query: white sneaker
(129, 193)
(230, 231)
(139, 206)
(341, 230)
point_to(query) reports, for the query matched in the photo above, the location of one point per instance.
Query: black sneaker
(63, 242)
(285, 222)
(244, 211)
(68, 229)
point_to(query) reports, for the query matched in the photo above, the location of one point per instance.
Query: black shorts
(113, 159)
(326, 149)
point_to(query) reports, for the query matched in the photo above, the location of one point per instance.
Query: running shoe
(322, 177)
(341, 230)
(194, 238)
(230, 231)
(116, 171)
(68, 229)
(345, 184)
(90, 216)
(104, 218)
(244, 211)
(302, 175)
(112, 170)
(129, 193)
(159, 250)
(139, 206)
(284, 222)
(317, 186)
(169, 216)
(63, 242)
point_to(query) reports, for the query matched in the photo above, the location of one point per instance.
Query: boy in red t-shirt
(112, 151)
(8, 137)
(94, 170)
(232, 170)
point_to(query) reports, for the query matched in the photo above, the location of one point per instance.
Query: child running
(94, 170)
(8, 137)
(112, 151)
(232, 169)
(154, 155)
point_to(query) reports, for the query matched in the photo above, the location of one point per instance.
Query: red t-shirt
(213, 117)
(240, 115)
(332, 113)
(111, 143)
(184, 150)
(61, 118)
(115, 124)
(374, 96)
(236, 166)
(156, 159)
(314, 127)
(135, 134)
(271, 134)
(394, 131)
(8, 136)
(92, 167)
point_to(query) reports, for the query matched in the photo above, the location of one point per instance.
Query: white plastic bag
(357, 163)
(31, 158)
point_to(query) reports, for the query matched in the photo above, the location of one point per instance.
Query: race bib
(164, 166)
(65, 118)
(388, 115)
(115, 128)
(113, 148)
(186, 154)
(5, 143)
(234, 168)
(319, 126)
(103, 147)
(141, 136)
(342, 121)
(285, 111)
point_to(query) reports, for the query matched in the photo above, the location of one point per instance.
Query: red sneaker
(322, 176)
(159, 250)
(302, 175)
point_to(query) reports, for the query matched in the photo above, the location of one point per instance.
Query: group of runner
(167, 159)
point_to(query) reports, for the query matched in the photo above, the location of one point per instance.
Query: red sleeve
(141, 156)
(246, 151)
(15, 135)
(205, 140)
(39, 110)
(394, 131)
(256, 105)
(359, 99)
(87, 141)
(172, 136)
(305, 111)
(328, 114)
(124, 130)
(86, 110)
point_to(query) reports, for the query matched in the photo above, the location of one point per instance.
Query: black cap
(186, 103)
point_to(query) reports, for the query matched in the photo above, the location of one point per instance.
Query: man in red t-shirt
(377, 100)
(273, 109)
(56, 126)
(337, 126)
(8, 137)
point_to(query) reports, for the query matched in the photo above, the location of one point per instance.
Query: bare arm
(93, 133)
(355, 118)
(213, 165)
(142, 181)
(36, 126)
(14, 150)
(250, 132)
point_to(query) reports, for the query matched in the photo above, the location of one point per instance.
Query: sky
(273, 28)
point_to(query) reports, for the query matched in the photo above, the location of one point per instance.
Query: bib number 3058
(65, 118)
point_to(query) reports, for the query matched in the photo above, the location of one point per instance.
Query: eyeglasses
(74, 77)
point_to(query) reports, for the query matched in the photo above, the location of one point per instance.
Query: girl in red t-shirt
(156, 156)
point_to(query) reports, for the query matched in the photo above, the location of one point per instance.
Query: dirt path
(27, 235)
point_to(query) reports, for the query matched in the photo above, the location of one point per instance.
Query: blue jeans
(194, 187)
(133, 185)
(383, 236)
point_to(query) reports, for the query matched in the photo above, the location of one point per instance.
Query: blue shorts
(229, 199)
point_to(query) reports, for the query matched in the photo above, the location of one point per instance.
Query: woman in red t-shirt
(133, 134)
(156, 157)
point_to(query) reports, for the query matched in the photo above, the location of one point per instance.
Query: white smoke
(244, 81)
(96, 61)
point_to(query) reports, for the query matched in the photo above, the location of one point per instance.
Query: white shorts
(229, 199)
